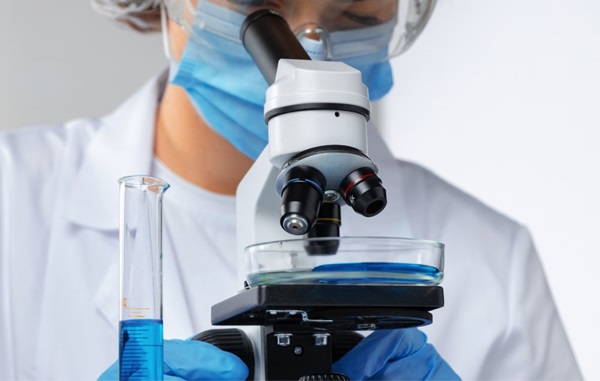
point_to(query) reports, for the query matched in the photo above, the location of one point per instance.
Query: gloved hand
(193, 360)
(399, 354)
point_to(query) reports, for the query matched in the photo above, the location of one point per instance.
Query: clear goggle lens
(345, 28)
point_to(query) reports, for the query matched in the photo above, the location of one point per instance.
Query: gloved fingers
(425, 364)
(112, 374)
(197, 360)
(394, 355)
(192, 360)
(376, 350)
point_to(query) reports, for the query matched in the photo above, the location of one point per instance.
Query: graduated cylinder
(140, 246)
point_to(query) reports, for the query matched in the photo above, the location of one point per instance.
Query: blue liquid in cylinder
(141, 349)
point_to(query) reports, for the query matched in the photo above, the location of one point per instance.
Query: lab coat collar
(122, 145)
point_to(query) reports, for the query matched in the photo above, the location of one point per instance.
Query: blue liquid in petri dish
(141, 349)
(378, 273)
(353, 273)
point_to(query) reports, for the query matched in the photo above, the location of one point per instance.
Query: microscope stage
(331, 307)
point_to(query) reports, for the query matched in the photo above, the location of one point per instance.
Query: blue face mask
(228, 90)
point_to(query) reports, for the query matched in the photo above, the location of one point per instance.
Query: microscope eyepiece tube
(301, 198)
(268, 38)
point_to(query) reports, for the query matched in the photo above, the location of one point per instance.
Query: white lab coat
(59, 257)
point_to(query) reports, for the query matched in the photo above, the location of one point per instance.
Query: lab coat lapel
(122, 145)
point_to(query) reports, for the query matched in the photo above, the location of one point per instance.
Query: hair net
(142, 15)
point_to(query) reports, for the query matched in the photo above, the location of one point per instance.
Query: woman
(59, 239)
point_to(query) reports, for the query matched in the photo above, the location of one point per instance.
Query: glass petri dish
(357, 260)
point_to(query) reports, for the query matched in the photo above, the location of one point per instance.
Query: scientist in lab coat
(59, 226)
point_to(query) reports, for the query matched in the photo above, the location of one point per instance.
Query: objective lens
(301, 199)
(327, 225)
(362, 190)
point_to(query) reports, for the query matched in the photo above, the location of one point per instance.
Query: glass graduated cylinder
(140, 250)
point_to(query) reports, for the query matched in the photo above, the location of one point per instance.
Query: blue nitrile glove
(399, 354)
(193, 360)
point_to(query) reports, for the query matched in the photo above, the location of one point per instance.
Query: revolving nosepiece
(301, 199)
(362, 190)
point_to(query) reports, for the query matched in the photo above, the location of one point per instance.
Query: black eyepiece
(301, 199)
(362, 190)
(267, 37)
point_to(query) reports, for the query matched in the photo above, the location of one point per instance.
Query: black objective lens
(362, 190)
(327, 225)
(301, 199)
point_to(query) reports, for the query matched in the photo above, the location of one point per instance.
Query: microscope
(296, 324)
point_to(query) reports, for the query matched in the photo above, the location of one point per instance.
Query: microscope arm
(257, 210)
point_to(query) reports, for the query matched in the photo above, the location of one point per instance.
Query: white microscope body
(332, 107)
(317, 113)
(315, 161)
(302, 82)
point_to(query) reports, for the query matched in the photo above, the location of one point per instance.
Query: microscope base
(305, 328)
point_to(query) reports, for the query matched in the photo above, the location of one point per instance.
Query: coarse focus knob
(232, 340)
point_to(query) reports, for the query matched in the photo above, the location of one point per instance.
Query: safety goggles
(329, 29)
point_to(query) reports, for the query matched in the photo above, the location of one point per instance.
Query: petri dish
(353, 260)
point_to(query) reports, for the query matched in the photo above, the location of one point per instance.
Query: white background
(501, 98)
